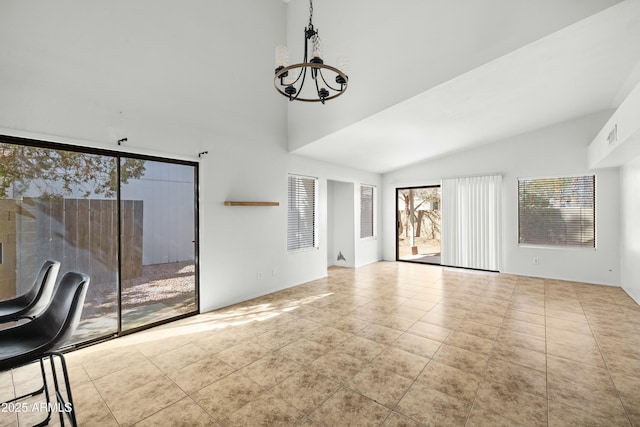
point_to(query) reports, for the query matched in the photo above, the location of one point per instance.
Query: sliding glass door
(127, 222)
(158, 243)
(418, 224)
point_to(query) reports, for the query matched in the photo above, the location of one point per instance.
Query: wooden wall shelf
(252, 203)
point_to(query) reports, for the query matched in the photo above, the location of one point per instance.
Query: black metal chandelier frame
(315, 66)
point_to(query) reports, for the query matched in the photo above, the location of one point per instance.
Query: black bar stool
(40, 338)
(35, 300)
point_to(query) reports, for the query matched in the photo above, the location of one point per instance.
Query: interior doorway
(418, 224)
(340, 224)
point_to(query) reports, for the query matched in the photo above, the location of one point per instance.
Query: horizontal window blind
(557, 211)
(301, 226)
(366, 211)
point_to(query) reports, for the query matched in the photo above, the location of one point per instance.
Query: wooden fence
(80, 233)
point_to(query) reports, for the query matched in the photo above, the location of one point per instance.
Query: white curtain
(471, 232)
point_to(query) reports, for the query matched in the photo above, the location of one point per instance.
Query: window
(366, 211)
(301, 226)
(557, 211)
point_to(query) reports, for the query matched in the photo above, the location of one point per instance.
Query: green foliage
(57, 173)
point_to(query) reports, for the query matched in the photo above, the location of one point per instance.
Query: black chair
(35, 300)
(38, 340)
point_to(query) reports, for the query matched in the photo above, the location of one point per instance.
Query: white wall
(624, 150)
(340, 219)
(176, 82)
(559, 150)
(630, 228)
(366, 251)
(624, 128)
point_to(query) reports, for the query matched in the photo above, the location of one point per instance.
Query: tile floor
(391, 344)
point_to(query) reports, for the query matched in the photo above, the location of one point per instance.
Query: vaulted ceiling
(429, 78)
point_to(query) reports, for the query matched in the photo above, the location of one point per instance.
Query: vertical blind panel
(366, 211)
(557, 211)
(471, 222)
(301, 213)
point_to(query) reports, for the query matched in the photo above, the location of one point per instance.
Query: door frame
(398, 189)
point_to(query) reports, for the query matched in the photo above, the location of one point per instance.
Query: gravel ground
(171, 285)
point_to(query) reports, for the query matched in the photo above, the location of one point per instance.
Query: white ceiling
(428, 77)
(585, 67)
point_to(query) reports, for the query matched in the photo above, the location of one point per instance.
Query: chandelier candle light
(290, 85)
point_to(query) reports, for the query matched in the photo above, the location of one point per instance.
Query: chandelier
(290, 79)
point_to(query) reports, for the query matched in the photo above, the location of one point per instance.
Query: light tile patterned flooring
(390, 344)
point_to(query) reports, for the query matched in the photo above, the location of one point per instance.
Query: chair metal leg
(64, 407)
(33, 393)
(46, 394)
(44, 389)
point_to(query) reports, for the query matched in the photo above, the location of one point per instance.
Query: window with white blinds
(301, 225)
(366, 211)
(557, 211)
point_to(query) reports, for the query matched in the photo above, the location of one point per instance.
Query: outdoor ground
(163, 291)
(426, 248)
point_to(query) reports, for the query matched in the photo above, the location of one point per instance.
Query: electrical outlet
(536, 260)
(260, 275)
